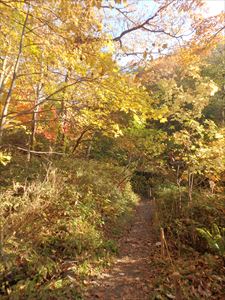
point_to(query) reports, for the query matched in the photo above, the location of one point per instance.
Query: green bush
(180, 218)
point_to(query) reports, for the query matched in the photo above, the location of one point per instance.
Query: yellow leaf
(218, 136)
(163, 120)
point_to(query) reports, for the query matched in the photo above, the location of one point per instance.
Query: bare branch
(78, 141)
(142, 25)
(39, 152)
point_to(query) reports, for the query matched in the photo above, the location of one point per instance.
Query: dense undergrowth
(59, 221)
(195, 239)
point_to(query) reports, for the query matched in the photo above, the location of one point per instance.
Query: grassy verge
(58, 225)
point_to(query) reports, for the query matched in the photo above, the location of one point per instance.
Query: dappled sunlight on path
(130, 276)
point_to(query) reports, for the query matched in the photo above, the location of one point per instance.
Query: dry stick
(175, 275)
(165, 247)
(123, 180)
(39, 152)
(162, 239)
(150, 193)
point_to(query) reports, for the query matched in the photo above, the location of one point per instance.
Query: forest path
(130, 277)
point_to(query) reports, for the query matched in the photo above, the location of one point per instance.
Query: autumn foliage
(98, 100)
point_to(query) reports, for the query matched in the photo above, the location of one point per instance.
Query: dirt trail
(130, 276)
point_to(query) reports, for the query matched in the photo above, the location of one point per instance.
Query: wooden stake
(162, 238)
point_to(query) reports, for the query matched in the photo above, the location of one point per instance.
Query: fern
(215, 238)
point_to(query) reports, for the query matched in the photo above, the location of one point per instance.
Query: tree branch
(142, 25)
(39, 152)
(78, 141)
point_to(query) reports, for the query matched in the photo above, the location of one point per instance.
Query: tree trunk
(14, 75)
(61, 138)
(190, 186)
(3, 73)
(90, 146)
(34, 121)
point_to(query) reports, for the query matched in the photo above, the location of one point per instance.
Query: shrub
(215, 238)
(181, 218)
(68, 213)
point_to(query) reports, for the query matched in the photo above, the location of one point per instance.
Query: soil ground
(130, 277)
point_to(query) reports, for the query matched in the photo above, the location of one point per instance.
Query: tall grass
(67, 213)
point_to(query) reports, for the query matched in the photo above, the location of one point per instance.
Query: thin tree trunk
(90, 146)
(223, 108)
(63, 116)
(34, 121)
(3, 73)
(6, 72)
(14, 75)
(179, 187)
(223, 116)
(61, 137)
(190, 186)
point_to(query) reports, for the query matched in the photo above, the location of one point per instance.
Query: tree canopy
(101, 101)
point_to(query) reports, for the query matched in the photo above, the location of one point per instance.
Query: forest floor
(130, 277)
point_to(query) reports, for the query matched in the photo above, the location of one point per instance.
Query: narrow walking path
(130, 277)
